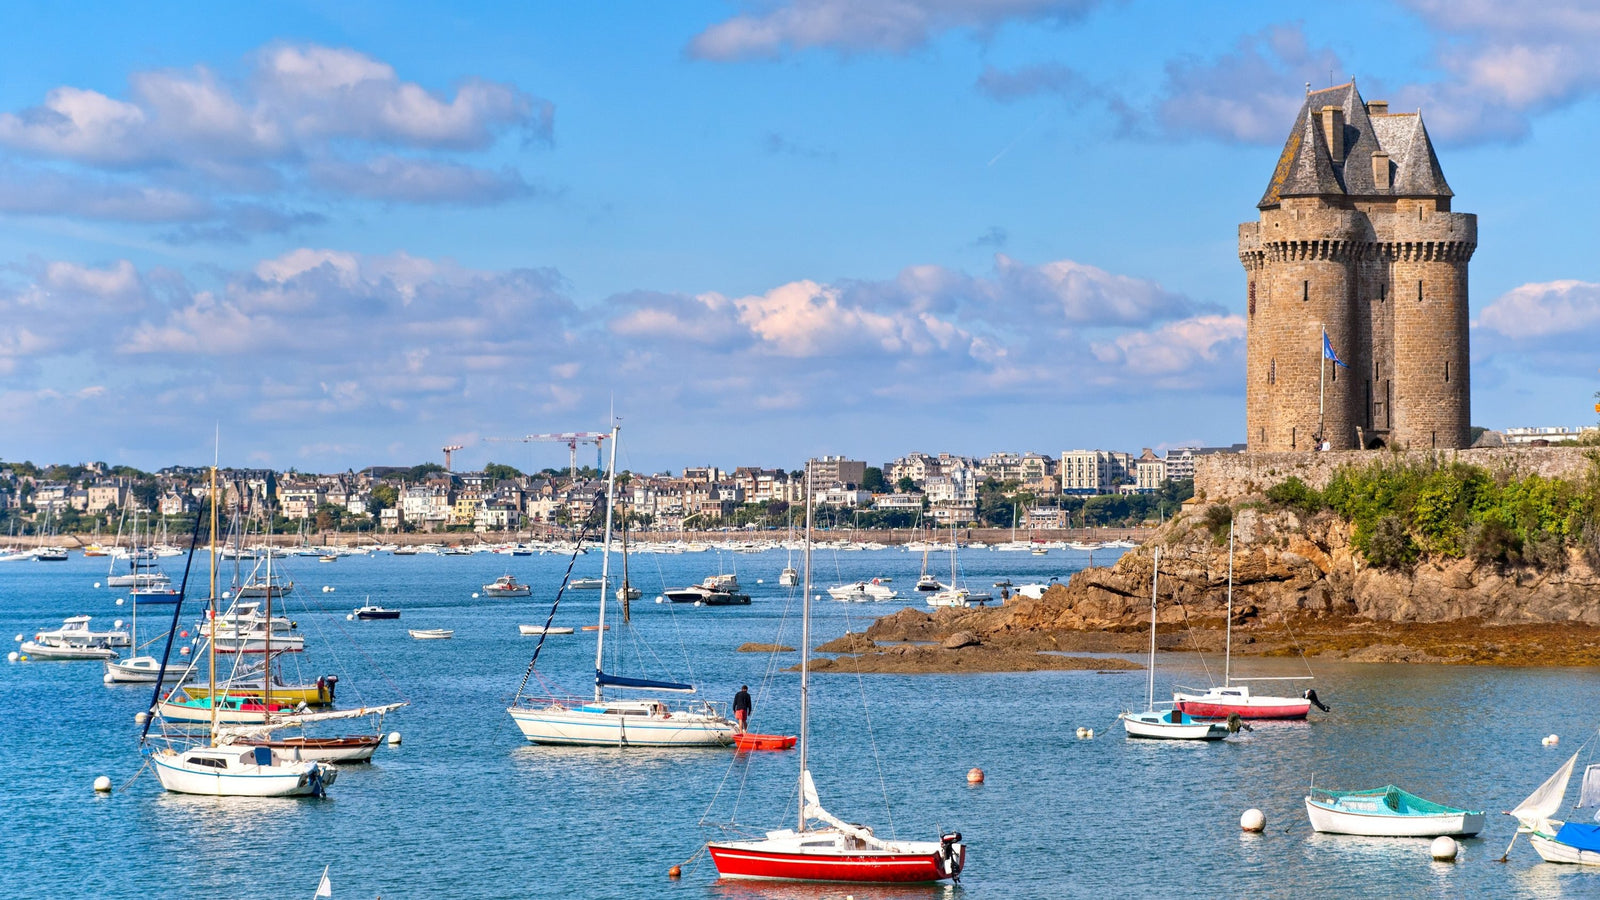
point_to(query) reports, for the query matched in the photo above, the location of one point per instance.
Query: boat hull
(304, 779)
(141, 670)
(747, 860)
(590, 727)
(353, 749)
(1153, 728)
(1212, 706)
(1327, 820)
(42, 650)
(290, 694)
(1552, 850)
(377, 614)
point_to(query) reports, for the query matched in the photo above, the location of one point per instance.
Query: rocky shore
(1298, 587)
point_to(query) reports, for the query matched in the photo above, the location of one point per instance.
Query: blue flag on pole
(1327, 351)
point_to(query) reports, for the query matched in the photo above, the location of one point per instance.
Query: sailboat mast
(211, 642)
(605, 566)
(1227, 640)
(1155, 578)
(805, 651)
(266, 656)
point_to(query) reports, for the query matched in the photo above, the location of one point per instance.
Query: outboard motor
(1311, 695)
(1236, 723)
(332, 681)
(952, 860)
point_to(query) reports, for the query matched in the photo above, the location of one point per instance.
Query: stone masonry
(1356, 236)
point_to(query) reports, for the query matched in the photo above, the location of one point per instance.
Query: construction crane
(571, 438)
(447, 451)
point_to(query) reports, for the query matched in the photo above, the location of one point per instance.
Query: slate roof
(1306, 167)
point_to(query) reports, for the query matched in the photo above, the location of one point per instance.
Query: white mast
(1227, 640)
(1155, 577)
(605, 565)
(805, 651)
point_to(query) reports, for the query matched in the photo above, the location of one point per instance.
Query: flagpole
(1322, 376)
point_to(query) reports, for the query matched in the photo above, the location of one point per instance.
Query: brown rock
(764, 648)
(960, 639)
(851, 642)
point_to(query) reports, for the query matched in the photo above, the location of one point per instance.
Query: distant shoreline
(891, 536)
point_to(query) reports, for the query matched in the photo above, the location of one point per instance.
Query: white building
(1093, 471)
(1555, 435)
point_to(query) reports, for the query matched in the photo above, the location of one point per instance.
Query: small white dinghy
(432, 634)
(540, 629)
(1388, 812)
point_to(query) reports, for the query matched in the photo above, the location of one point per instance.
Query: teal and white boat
(1388, 811)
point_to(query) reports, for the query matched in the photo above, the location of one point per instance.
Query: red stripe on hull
(910, 868)
(1223, 710)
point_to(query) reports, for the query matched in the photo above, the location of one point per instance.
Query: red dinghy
(747, 741)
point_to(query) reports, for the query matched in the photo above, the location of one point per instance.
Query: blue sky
(348, 234)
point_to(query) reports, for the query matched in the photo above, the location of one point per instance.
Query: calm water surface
(466, 808)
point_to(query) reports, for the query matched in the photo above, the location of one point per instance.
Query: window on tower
(1305, 290)
(1252, 298)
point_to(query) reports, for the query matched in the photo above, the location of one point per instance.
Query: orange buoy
(674, 872)
(975, 776)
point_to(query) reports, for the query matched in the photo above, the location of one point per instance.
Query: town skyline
(346, 239)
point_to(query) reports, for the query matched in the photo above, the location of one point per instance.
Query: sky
(343, 235)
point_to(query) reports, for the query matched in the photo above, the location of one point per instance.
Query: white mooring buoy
(1444, 848)
(12, 656)
(1253, 821)
(102, 785)
(394, 738)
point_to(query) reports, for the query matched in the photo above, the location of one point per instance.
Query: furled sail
(227, 733)
(1546, 799)
(640, 684)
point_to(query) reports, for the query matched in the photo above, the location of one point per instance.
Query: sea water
(464, 807)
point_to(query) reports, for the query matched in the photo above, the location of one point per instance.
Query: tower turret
(1355, 220)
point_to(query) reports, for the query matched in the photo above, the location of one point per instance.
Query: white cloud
(895, 26)
(190, 146)
(1248, 94)
(1568, 310)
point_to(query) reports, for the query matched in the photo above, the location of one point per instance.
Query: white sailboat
(1169, 724)
(220, 769)
(617, 721)
(821, 846)
(1557, 841)
(1229, 699)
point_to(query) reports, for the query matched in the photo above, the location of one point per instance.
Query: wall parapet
(1229, 476)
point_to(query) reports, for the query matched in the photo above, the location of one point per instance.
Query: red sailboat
(823, 847)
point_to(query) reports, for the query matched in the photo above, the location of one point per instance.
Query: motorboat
(717, 590)
(1387, 812)
(862, 591)
(65, 650)
(584, 584)
(507, 586)
(76, 630)
(143, 670)
(375, 612)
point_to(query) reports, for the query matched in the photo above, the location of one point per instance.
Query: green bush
(1296, 495)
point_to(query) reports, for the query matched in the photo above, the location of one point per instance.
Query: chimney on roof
(1333, 132)
(1377, 107)
(1380, 170)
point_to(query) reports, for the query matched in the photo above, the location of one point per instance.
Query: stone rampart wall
(1223, 476)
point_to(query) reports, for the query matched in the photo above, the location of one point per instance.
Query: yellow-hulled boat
(318, 693)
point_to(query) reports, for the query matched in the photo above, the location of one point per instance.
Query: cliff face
(1283, 564)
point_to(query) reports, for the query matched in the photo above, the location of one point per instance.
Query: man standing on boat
(742, 707)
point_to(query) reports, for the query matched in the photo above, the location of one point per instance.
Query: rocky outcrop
(1283, 565)
(1294, 572)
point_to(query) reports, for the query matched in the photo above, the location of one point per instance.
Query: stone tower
(1356, 236)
